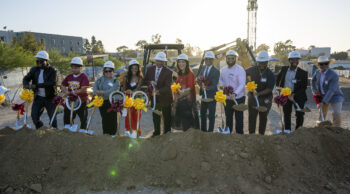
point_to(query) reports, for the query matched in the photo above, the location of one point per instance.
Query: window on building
(2, 38)
(54, 42)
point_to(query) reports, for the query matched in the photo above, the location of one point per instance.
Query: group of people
(181, 108)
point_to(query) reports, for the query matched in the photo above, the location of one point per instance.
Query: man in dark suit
(161, 77)
(296, 79)
(212, 74)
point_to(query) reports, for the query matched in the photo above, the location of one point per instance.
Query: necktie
(206, 72)
(157, 74)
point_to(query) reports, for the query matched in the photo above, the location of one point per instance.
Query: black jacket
(300, 86)
(49, 80)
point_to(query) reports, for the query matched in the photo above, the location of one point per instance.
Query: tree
(262, 47)
(14, 56)
(281, 50)
(61, 63)
(241, 49)
(188, 50)
(141, 43)
(28, 43)
(87, 46)
(311, 47)
(340, 55)
(156, 38)
(178, 41)
(96, 46)
(122, 49)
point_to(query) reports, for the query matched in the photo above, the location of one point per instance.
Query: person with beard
(296, 79)
(233, 75)
(43, 82)
(265, 80)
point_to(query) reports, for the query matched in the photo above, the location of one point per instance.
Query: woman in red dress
(185, 101)
(132, 83)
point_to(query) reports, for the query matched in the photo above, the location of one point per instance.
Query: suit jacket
(330, 86)
(213, 78)
(163, 84)
(49, 76)
(300, 86)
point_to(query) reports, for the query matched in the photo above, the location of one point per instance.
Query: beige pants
(336, 112)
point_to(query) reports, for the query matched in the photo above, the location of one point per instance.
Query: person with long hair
(185, 101)
(132, 82)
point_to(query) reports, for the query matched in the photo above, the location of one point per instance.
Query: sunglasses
(39, 61)
(108, 71)
(322, 64)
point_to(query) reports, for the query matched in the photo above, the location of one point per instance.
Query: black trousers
(287, 110)
(186, 114)
(109, 119)
(166, 111)
(82, 113)
(253, 114)
(229, 112)
(205, 106)
(38, 108)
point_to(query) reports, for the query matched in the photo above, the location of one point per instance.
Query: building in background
(320, 51)
(62, 43)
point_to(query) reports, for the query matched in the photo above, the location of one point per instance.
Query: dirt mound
(315, 160)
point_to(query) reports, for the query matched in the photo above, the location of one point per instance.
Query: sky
(203, 23)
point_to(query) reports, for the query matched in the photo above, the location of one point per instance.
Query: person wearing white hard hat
(233, 75)
(76, 83)
(132, 82)
(296, 79)
(104, 86)
(186, 114)
(42, 79)
(212, 75)
(160, 76)
(265, 79)
(325, 83)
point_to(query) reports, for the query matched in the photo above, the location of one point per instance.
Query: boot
(336, 120)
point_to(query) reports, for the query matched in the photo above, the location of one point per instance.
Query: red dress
(188, 81)
(133, 113)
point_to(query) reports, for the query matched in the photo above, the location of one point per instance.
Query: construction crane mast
(251, 31)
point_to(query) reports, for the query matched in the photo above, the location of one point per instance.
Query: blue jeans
(205, 106)
(229, 112)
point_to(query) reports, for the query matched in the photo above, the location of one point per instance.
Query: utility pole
(251, 30)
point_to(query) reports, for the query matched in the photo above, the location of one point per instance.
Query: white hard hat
(108, 64)
(77, 61)
(133, 62)
(294, 55)
(3, 90)
(231, 52)
(263, 56)
(42, 55)
(161, 56)
(209, 55)
(182, 57)
(322, 59)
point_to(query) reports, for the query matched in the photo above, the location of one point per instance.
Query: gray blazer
(98, 85)
(213, 78)
(330, 86)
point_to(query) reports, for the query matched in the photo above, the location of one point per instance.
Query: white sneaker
(133, 134)
(127, 133)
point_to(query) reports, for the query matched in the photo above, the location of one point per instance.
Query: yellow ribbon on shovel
(97, 102)
(27, 96)
(251, 86)
(220, 97)
(175, 88)
(2, 98)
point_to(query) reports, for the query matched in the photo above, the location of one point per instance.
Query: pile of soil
(310, 160)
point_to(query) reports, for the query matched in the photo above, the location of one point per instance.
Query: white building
(320, 51)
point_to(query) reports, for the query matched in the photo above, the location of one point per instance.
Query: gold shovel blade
(207, 99)
(306, 109)
(240, 107)
(157, 112)
(261, 108)
(326, 123)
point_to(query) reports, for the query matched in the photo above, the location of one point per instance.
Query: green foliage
(95, 47)
(339, 55)
(282, 49)
(60, 63)
(262, 47)
(156, 38)
(13, 56)
(28, 43)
